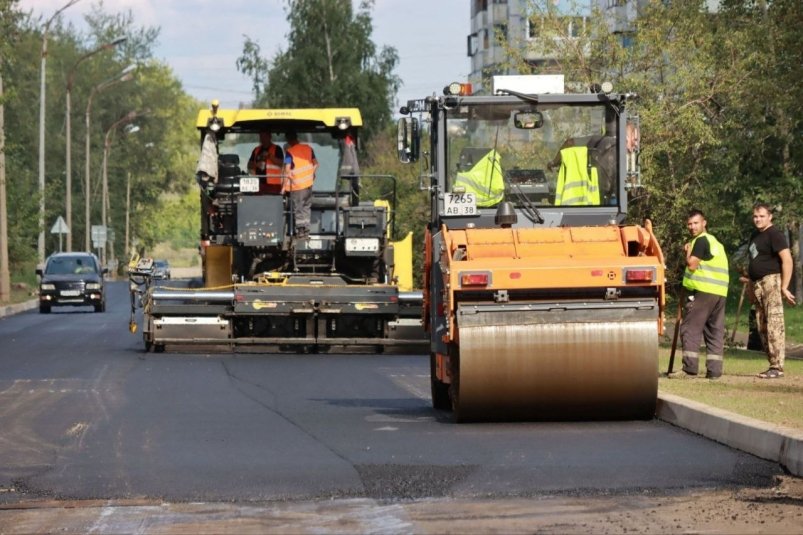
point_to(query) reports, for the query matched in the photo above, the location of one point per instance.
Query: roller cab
(541, 300)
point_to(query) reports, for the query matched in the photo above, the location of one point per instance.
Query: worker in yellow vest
(706, 283)
(484, 180)
(300, 166)
(578, 181)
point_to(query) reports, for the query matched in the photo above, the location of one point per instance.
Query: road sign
(60, 227)
(99, 233)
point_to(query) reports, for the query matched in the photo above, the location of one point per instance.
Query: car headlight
(47, 286)
(93, 286)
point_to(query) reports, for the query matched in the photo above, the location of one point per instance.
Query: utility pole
(124, 76)
(5, 274)
(70, 81)
(42, 71)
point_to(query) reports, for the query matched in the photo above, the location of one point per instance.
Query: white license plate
(249, 184)
(70, 293)
(460, 204)
(362, 245)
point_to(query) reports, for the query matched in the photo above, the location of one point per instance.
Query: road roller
(541, 300)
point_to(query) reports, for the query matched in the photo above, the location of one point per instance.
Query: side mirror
(39, 271)
(528, 120)
(407, 137)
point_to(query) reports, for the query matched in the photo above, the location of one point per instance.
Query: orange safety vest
(273, 172)
(303, 172)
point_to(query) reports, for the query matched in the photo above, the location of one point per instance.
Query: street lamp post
(41, 241)
(127, 118)
(124, 76)
(68, 162)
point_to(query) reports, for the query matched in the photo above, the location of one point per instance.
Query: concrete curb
(776, 443)
(9, 310)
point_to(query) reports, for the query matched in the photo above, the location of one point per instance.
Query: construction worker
(770, 273)
(485, 180)
(300, 166)
(266, 160)
(705, 280)
(578, 180)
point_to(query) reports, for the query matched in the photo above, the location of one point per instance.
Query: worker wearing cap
(706, 283)
(300, 166)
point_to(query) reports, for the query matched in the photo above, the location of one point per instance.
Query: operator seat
(228, 166)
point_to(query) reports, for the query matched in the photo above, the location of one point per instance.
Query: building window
(534, 27)
(574, 26)
(500, 31)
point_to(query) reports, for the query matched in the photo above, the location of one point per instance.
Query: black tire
(100, 307)
(44, 309)
(148, 346)
(440, 391)
(158, 348)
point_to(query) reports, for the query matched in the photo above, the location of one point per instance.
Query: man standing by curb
(770, 272)
(706, 283)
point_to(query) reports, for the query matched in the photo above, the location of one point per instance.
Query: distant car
(71, 279)
(161, 269)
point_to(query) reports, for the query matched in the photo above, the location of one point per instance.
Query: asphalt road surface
(86, 414)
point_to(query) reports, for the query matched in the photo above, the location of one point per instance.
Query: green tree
(8, 15)
(159, 157)
(719, 107)
(330, 61)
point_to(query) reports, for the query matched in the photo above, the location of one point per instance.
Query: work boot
(681, 374)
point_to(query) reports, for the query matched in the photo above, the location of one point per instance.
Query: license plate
(70, 293)
(460, 204)
(249, 184)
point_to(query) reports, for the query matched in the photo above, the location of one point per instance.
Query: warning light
(475, 279)
(457, 89)
(640, 275)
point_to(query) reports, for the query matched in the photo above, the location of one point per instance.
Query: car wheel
(101, 307)
(44, 309)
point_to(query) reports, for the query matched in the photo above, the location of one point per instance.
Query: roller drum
(587, 363)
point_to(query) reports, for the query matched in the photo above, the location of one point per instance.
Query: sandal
(772, 373)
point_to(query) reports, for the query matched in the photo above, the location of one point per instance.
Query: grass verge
(739, 390)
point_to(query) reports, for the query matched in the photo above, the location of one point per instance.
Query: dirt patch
(775, 509)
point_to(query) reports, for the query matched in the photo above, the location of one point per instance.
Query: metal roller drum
(557, 362)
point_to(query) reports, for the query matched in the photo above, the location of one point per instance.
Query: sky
(429, 36)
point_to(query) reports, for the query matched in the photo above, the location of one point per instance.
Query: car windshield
(160, 263)
(68, 265)
(527, 139)
(324, 146)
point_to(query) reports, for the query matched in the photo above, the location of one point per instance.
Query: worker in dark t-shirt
(769, 272)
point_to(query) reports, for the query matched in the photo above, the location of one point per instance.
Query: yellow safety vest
(711, 276)
(578, 182)
(484, 180)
